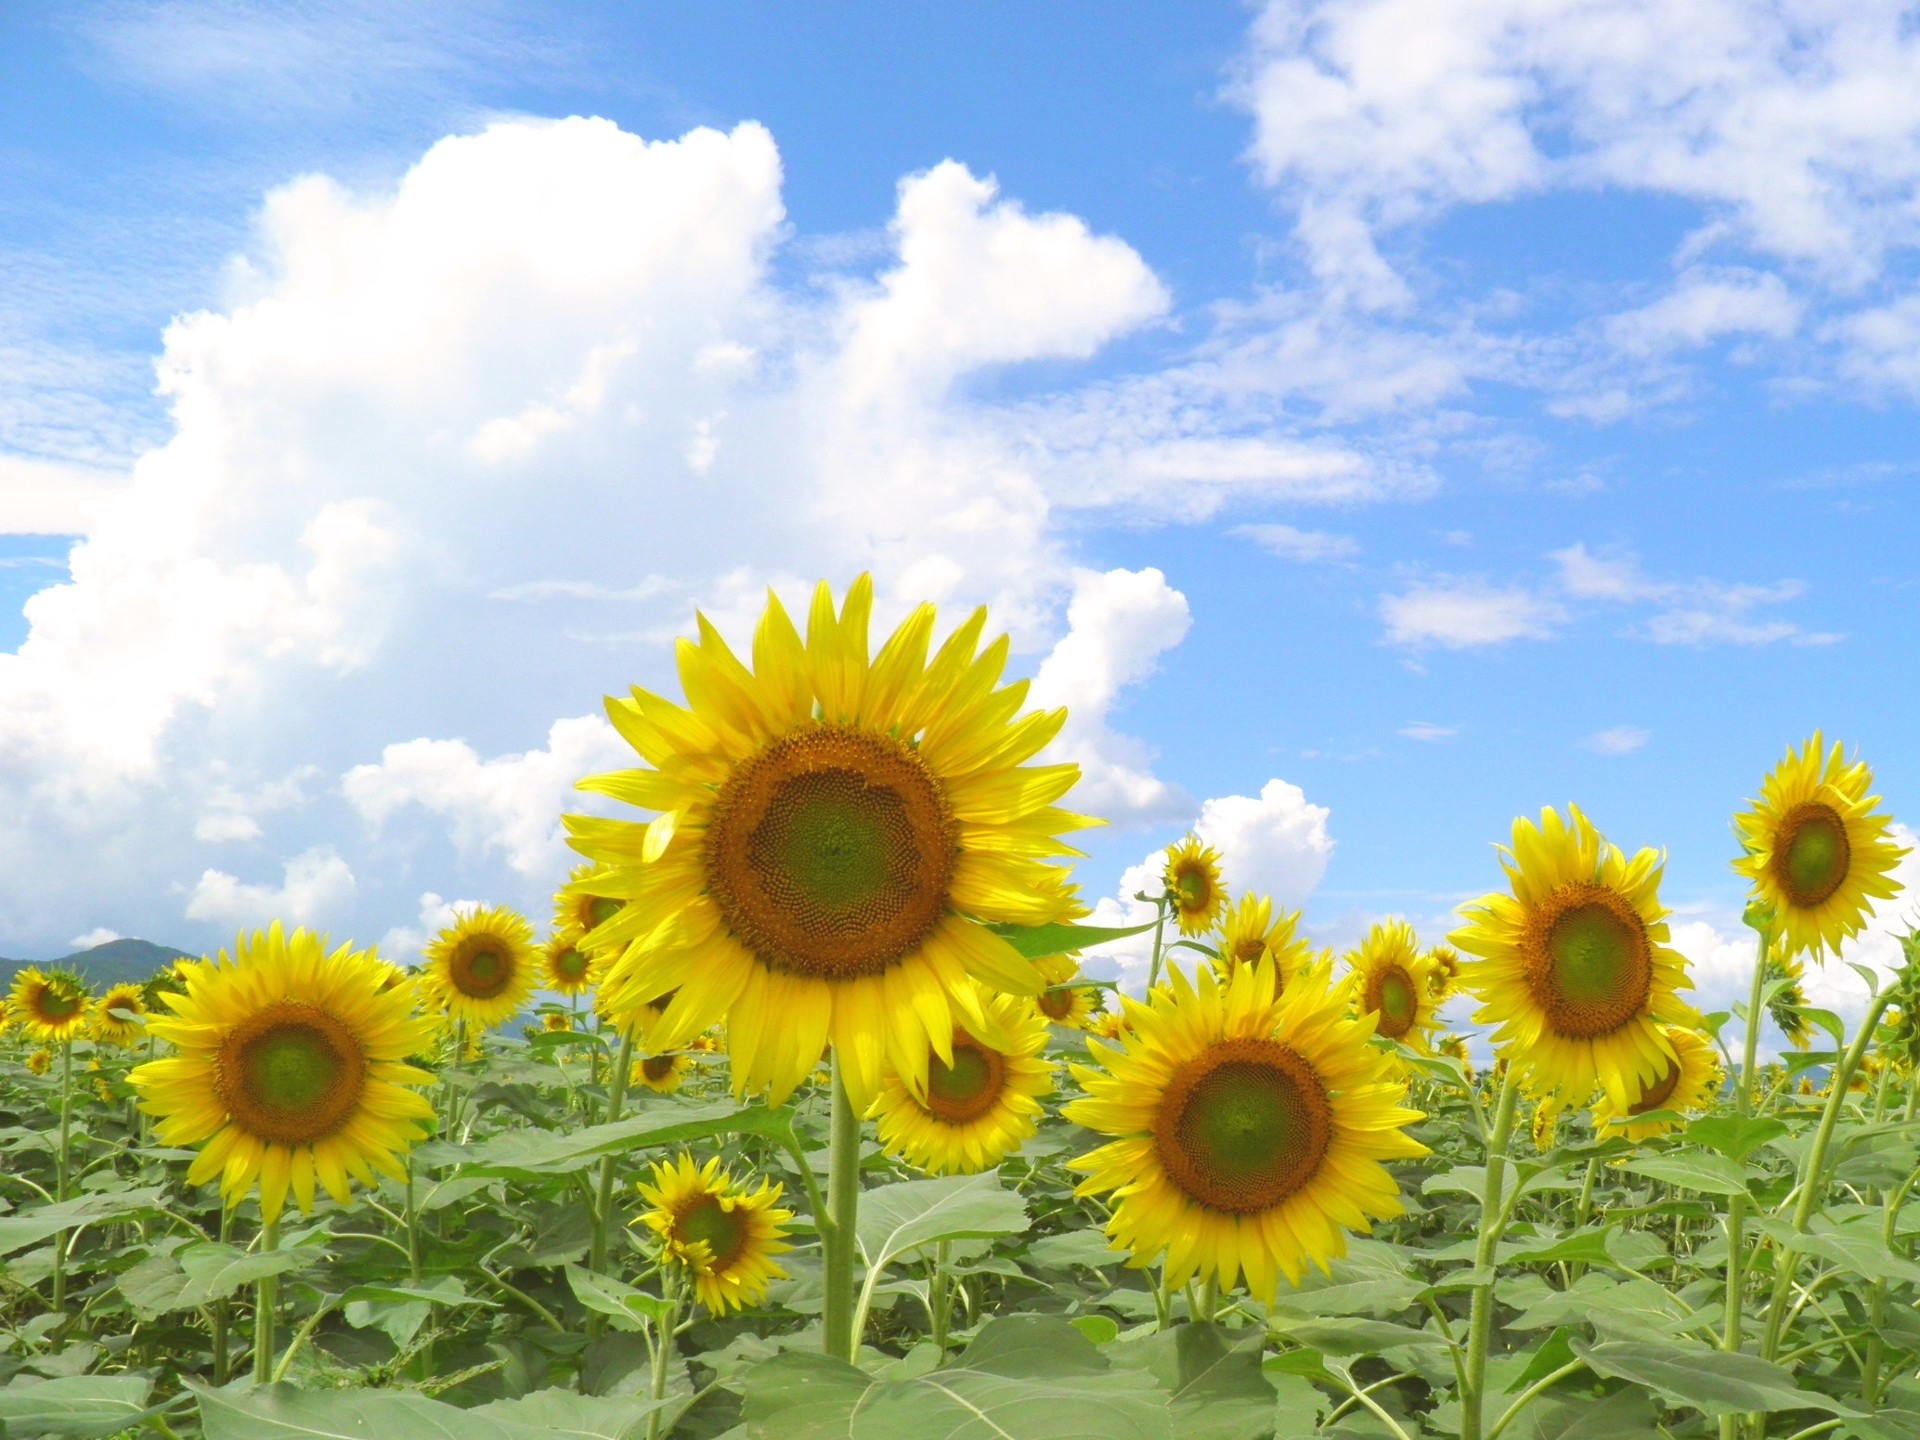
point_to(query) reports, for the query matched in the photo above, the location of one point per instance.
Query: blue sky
(1441, 409)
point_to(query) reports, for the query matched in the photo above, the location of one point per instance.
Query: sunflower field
(802, 1121)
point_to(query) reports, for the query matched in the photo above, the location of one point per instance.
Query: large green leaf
(281, 1412)
(1712, 1174)
(1214, 1377)
(1626, 1412)
(1734, 1136)
(79, 1407)
(557, 1152)
(1034, 941)
(1712, 1381)
(203, 1272)
(896, 1219)
(30, 1227)
(1856, 1248)
(604, 1295)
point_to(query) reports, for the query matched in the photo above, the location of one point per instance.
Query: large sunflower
(1395, 984)
(291, 1068)
(835, 837)
(723, 1235)
(1575, 969)
(1251, 1127)
(1250, 934)
(50, 1008)
(978, 1107)
(112, 1028)
(1688, 1083)
(1818, 853)
(1192, 879)
(481, 968)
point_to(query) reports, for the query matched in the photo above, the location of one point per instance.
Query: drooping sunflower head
(836, 833)
(582, 905)
(290, 1070)
(1787, 998)
(981, 1103)
(121, 1016)
(1454, 1047)
(721, 1234)
(1900, 1024)
(482, 966)
(565, 967)
(1250, 934)
(1818, 850)
(1687, 1085)
(1393, 982)
(52, 1008)
(1193, 884)
(1250, 1129)
(1446, 972)
(1575, 970)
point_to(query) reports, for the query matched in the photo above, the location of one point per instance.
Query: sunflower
(1446, 972)
(40, 1062)
(1394, 984)
(1546, 1123)
(978, 1107)
(290, 1068)
(481, 967)
(565, 967)
(835, 837)
(722, 1235)
(1249, 933)
(555, 1023)
(1817, 852)
(662, 1074)
(1193, 883)
(1575, 970)
(1688, 1083)
(1109, 1025)
(1454, 1047)
(1787, 1006)
(1063, 1003)
(112, 1029)
(50, 1008)
(580, 908)
(1251, 1127)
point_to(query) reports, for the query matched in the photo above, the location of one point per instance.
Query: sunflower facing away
(1249, 934)
(114, 1029)
(1787, 1005)
(481, 968)
(1394, 983)
(1818, 853)
(1251, 1127)
(723, 1235)
(1446, 972)
(290, 1070)
(1575, 970)
(835, 836)
(1064, 1003)
(1688, 1084)
(565, 968)
(1192, 878)
(980, 1106)
(50, 1008)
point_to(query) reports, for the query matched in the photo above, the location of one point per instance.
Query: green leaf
(1035, 941)
(569, 1416)
(1588, 1247)
(1734, 1136)
(607, 1296)
(81, 1407)
(1084, 1249)
(30, 1227)
(1214, 1377)
(282, 1412)
(1353, 1337)
(1714, 1382)
(1579, 1417)
(1856, 1248)
(558, 1152)
(1712, 1174)
(1552, 1353)
(896, 1219)
(202, 1272)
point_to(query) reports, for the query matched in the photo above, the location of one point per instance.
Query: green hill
(103, 965)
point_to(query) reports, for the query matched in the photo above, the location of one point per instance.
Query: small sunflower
(723, 1235)
(565, 967)
(1393, 982)
(1546, 1123)
(555, 1023)
(290, 1070)
(1251, 1128)
(1787, 1006)
(1062, 1002)
(40, 1061)
(664, 1074)
(1454, 1047)
(1192, 878)
(980, 1106)
(1249, 934)
(1109, 1025)
(481, 967)
(836, 835)
(1446, 972)
(50, 1008)
(1575, 970)
(581, 906)
(1817, 851)
(1688, 1084)
(112, 1028)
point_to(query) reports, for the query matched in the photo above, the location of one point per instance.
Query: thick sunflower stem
(1480, 1316)
(1159, 934)
(1737, 1207)
(62, 1170)
(266, 1298)
(1209, 1300)
(603, 1200)
(663, 1349)
(839, 1237)
(939, 1297)
(222, 1358)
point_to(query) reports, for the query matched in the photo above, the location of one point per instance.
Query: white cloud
(233, 813)
(1464, 614)
(403, 944)
(1306, 546)
(1427, 731)
(1620, 740)
(1694, 612)
(1882, 345)
(1704, 306)
(42, 497)
(316, 887)
(99, 935)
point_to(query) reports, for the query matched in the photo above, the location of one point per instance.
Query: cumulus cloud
(1466, 614)
(316, 887)
(99, 935)
(1706, 305)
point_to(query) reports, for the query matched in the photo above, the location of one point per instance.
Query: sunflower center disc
(657, 1067)
(1056, 1004)
(59, 1004)
(1248, 951)
(1243, 1125)
(482, 969)
(290, 1074)
(968, 1088)
(829, 853)
(1390, 996)
(1812, 853)
(570, 964)
(1658, 1093)
(1588, 961)
(724, 1231)
(601, 909)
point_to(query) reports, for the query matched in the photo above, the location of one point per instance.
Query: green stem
(1520, 1401)
(222, 1354)
(1159, 931)
(1209, 1300)
(62, 1171)
(616, 1105)
(1733, 1305)
(938, 1289)
(663, 1350)
(839, 1237)
(1480, 1314)
(266, 1298)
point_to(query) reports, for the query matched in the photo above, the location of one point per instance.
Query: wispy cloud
(1306, 546)
(1427, 731)
(1620, 740)
(1466, 614)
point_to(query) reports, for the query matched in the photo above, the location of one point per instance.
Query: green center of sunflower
(602, 908)
(290, 1073)
(657, 1067)
(830, 852)
(722, 1230)
(569, 964)
(59, 1003)
(1392, 998)
(970, 1086)
(1654, 1096)
(1811, 853)
(1243, 1125)
(1191, 887)
(1056, 1003)
(1587, 960)
(481, 969)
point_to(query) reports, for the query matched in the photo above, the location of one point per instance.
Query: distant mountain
(103, 965)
